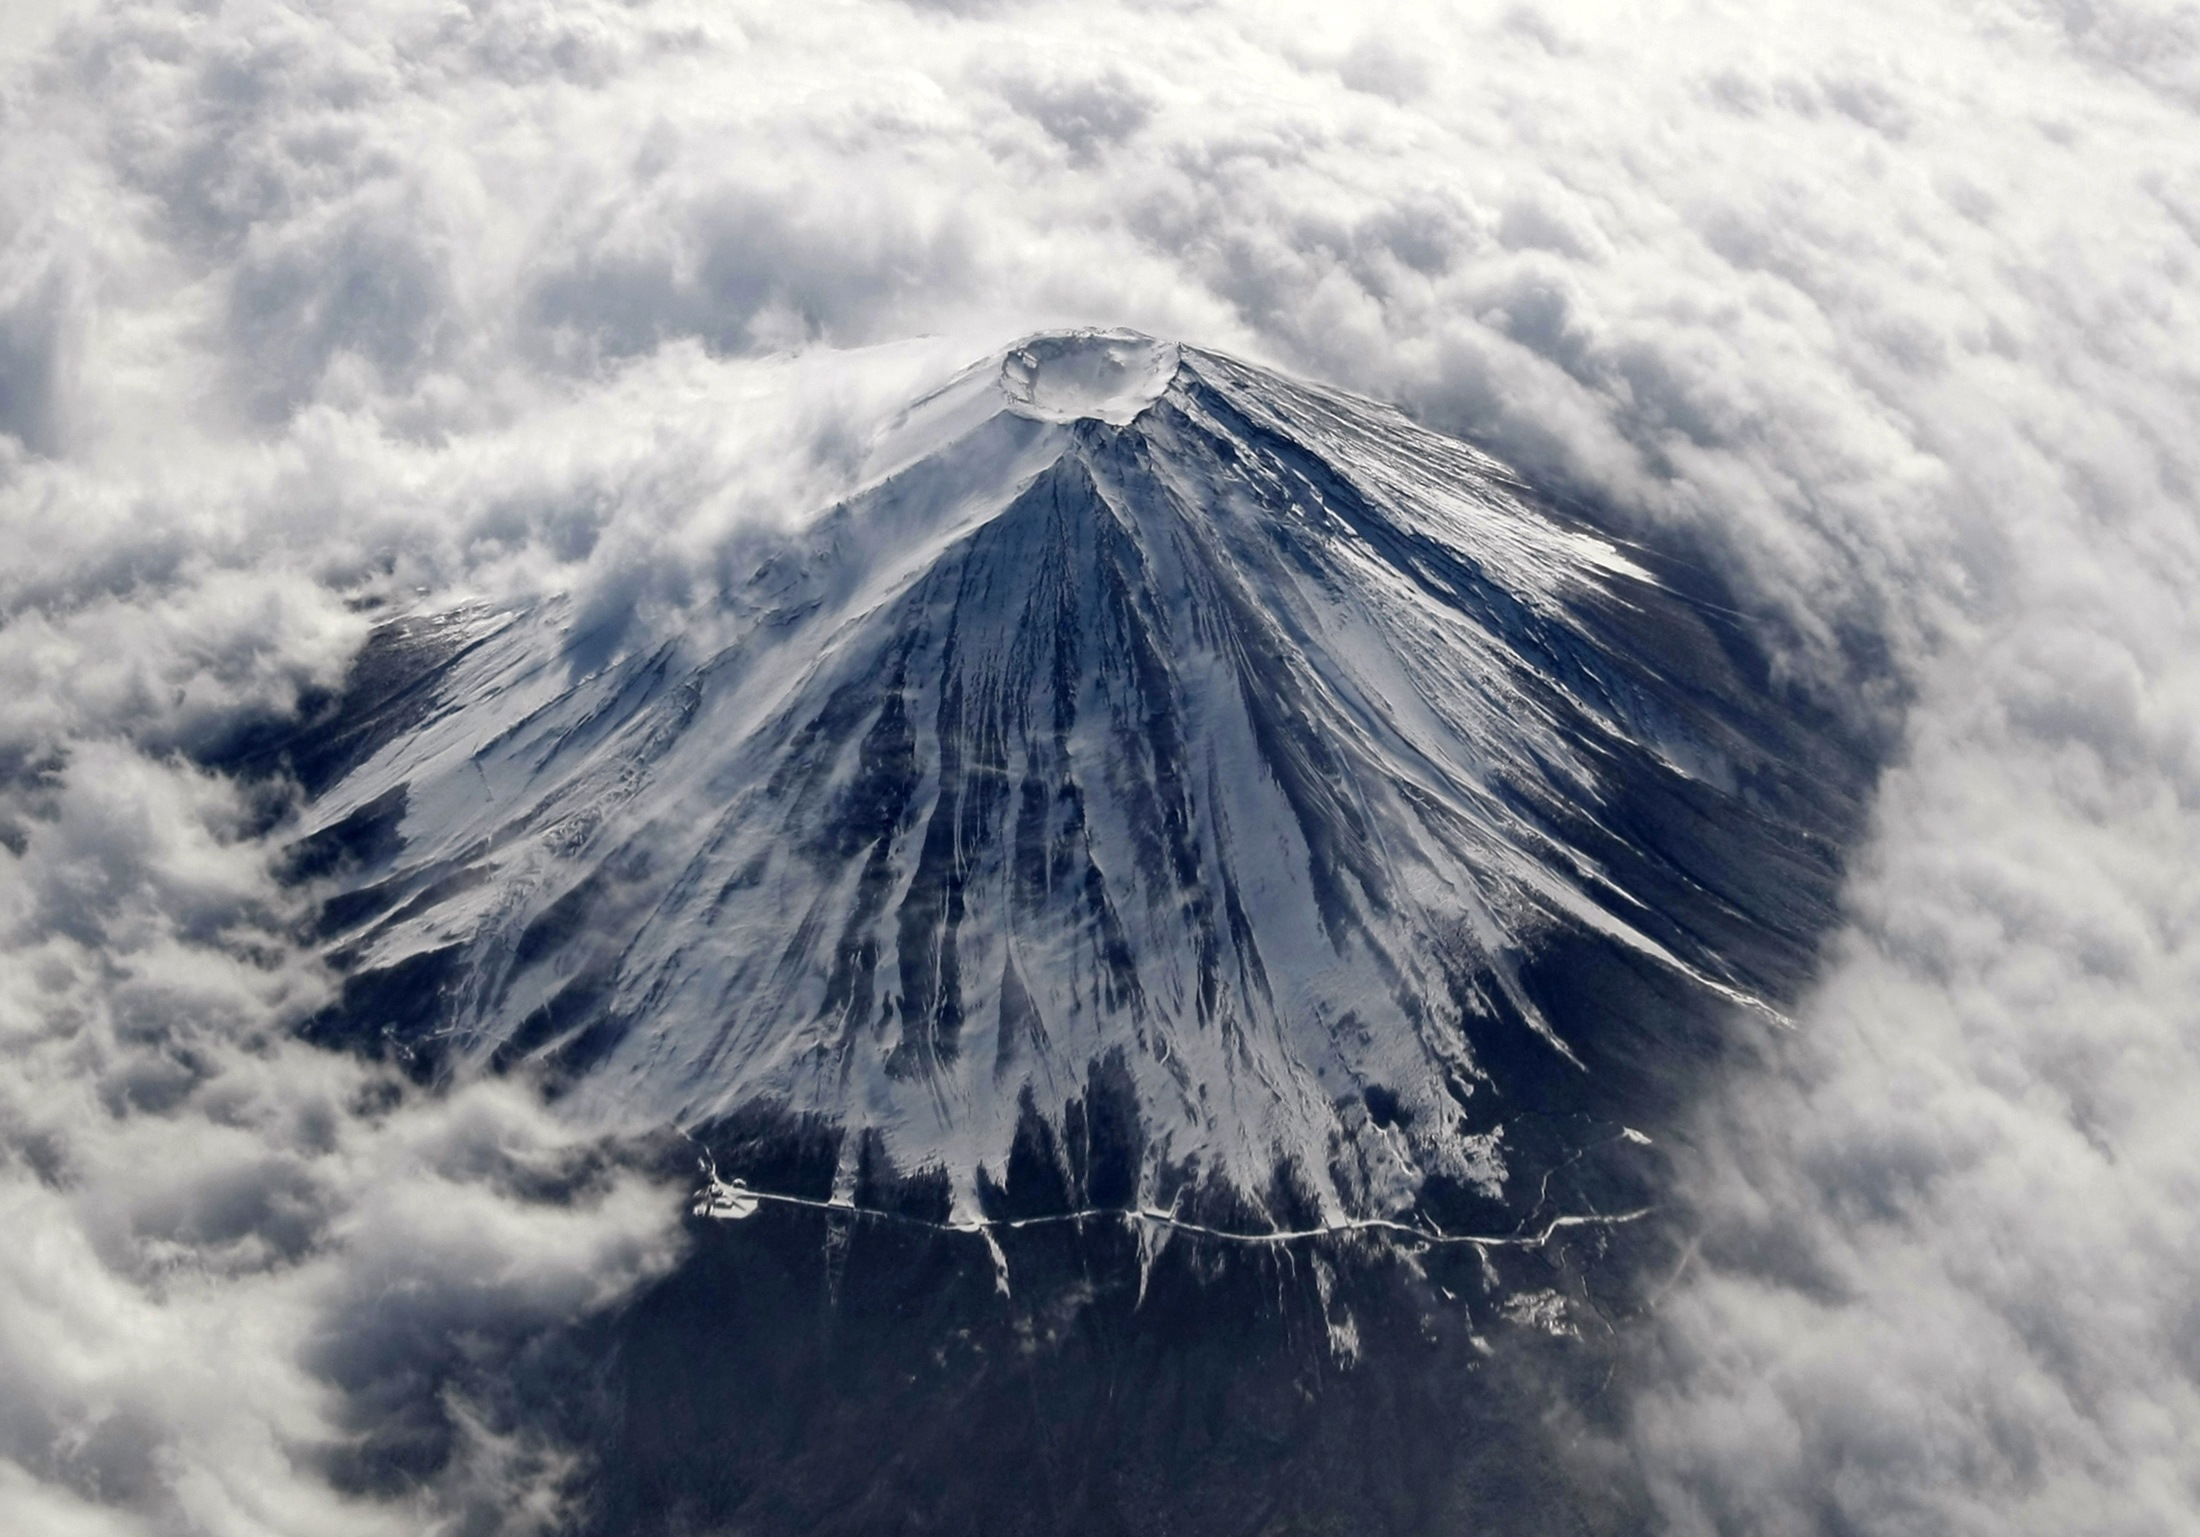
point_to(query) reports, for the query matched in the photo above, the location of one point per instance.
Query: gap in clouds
(1888, 313)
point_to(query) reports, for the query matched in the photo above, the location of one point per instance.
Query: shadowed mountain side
(873, 1371)
(804, 1372)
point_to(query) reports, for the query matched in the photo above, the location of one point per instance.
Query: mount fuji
(1148, 717)
(1187, 891)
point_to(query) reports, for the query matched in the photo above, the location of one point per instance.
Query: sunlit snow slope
(1150, 715)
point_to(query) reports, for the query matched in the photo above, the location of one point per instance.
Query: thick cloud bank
(1892, 311)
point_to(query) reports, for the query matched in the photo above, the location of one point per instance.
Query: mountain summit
(1153, 732)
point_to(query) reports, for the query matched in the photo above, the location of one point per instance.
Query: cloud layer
(1891, 312)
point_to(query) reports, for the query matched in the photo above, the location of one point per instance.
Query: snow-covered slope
(1148, 714)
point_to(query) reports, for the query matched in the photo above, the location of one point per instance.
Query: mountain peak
(1087, 374)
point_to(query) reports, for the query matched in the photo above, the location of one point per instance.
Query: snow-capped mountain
(1148, 715)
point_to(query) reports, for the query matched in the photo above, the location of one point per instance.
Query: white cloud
(1892, 308)
(1949, 1285)
(207, 1221)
